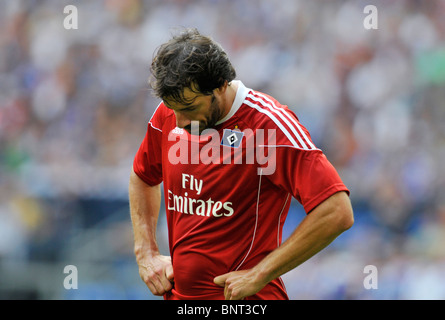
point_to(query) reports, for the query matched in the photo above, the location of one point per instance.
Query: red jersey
(227, 192)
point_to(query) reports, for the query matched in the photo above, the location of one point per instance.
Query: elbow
(337, 213)
(345, 217)
(342, 213)
(348, 221)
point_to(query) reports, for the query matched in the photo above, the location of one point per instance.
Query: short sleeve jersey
(227, 192)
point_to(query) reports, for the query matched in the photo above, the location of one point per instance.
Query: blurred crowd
(74, 105)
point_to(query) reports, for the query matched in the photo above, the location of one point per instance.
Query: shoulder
(160, 117)
(266, 113)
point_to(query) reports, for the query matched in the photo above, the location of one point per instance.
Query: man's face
(204, 108)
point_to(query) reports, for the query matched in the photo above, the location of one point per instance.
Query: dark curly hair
(189, 60)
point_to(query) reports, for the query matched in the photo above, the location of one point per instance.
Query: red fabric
(226, 217)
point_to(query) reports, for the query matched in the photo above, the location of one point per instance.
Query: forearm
(316, 231)
(155, 269)
(305, 242)
(145, 202)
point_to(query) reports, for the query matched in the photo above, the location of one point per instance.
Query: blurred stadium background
(74, 106)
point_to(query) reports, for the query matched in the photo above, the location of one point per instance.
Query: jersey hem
(311, 205)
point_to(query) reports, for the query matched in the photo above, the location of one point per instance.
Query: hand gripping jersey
(227, 192)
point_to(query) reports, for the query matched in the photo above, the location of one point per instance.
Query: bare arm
(319, 228)
(145, 202)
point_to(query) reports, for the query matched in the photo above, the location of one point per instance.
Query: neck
(229, 97)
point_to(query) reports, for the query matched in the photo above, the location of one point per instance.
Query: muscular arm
(319, 228)
(155, 269)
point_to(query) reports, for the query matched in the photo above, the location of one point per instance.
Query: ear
(221, 90)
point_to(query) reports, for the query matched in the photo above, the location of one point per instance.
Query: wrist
(143, 253)
(261, 275)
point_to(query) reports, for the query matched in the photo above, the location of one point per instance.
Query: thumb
(221, 280)
(169, 273)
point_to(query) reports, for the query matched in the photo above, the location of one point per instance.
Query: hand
(239, 284)
(157, 273)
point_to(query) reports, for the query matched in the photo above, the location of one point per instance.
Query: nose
(182, 120)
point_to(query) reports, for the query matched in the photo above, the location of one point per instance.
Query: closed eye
(189, 109)
(186, 109)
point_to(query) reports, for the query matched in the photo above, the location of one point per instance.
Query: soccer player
(230, 159)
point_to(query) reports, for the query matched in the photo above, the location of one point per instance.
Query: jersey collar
(241, 95)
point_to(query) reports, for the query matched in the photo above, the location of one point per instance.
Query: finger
(227, 293)
(169, 273)
(157, 284)
(166, 284)
(160, 286)
(151, 287)
(234, 295)
(161, 281)
(221, 280)
(155, 287)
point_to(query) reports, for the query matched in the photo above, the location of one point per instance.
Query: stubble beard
(212, 118)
